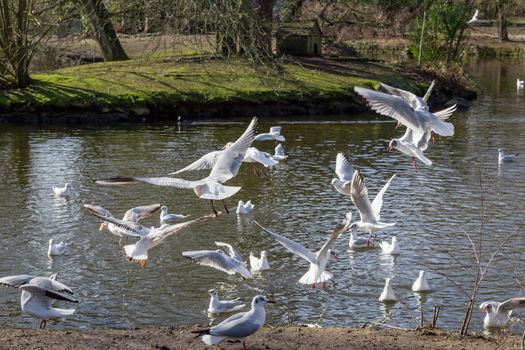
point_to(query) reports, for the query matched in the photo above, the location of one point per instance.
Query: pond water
(431, 208)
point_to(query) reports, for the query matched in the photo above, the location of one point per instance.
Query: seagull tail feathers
(211, 339)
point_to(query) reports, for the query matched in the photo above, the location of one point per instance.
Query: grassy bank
(193, 87)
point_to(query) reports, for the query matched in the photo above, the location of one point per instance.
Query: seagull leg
(225, 207)
(143, 263)
(323, 285)
(213, 208)
(313, 285)
(434, 137)
(244, 345)
(255, 170)
(414, 164)
(43, 324)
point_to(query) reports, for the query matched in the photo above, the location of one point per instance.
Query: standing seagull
(344, 171)
(498, 314)
(211, 187)
(220, 306)
(240, 325)
(316, 273)
(503, 158)
(38, 296)
(421, 283)
(369, 213)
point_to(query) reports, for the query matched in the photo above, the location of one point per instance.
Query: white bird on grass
(390, 248)
(167, 218)
(221, 306)
(259, 264)
(421, 283)
(274, 134)
(474, 17)
(316, 273)
(279, 153)
(211, 187)
(344, 171)
(38, 296)
(498, 314)
(388, 293)
(504, 158)
(237, 326)
(56, 248)
(369, 213)
(245, 208)
(65, 191)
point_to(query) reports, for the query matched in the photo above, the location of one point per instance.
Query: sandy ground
(269, 338)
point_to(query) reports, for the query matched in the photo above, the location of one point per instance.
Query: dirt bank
(270, 338)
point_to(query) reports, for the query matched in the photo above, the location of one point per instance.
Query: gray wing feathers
(138, 213)
(377, 203)
(16, 281)
(207, 161)
(359, 195)
(343, 167)
(511, 304)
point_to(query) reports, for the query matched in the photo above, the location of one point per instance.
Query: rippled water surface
(431, 208)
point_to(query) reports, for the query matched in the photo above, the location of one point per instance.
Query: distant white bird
(219, 260)
(369, 213)
(38, 296)
(421, 283)
(274, 134)
(65, 191)
(166, 218)
(344, 171)
(504, 158)
(220, 306)
(474, 17)
(259, 264)
(390, 248)
(316, 273)
(240, 325)
(357, 242)
(498, 314)
(254, 156)
(388, 293)
(211, 187)
(519, 83)
(279, 153)
(245, 208)
(56, 248)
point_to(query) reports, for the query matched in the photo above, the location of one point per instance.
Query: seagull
(498, 314)
(474, 18)
(390, 248)
(388, 294)
(344, 171)
(369, 213)
(253, 155)
(56, 248)
(316, 273)
(166, 218)
(421, 284)
(409, 110)
(274, 134)
(211, 187)
(245, 208)
(279, 153)
(220, 306)
(360, 242)
(219, 260)
(411, 147)
(519, 83)
(259, 264)
(38, 296)
(232, 252)
(240, 325)
(63, 191)
(148, 238)
(503, 158)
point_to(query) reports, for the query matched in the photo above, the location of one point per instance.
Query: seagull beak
(389, 148)
(102, 225)
(271, 302)
(334, 256)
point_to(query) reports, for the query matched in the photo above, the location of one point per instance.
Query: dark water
(432, 209)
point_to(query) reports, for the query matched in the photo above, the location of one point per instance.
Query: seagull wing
(97, 209)
(511, 304)
(339, 228)
(231, 158)
(138, 213)
(260, 157)
(36, 290)
(158, 181)
(217, 260)
(343, 167)
(207, 161)
(359, 195)
(445, 113)
(160, 233)
(234, 254)
(16, 281)
(130, 228)
(377, 203)
(292, 246)
(412, 99)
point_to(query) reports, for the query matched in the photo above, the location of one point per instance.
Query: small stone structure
(299, 38)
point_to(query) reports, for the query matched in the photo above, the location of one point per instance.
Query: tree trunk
(265, 13)
(98, 17)
(502, 20)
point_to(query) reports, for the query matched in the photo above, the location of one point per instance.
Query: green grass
(158, 81)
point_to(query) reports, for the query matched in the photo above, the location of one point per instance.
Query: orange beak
(102, 226)
(143, 263)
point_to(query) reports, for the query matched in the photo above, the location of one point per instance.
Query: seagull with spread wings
(498, 314)
(344, 171)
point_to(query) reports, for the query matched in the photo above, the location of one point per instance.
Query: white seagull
(244, 208)
(421, 283)
(279, 153)
(274, 134)
(316, 273)
(38, 296)
(390, 248)
(167, 218)
(498, 314)
(219, 260)
(220, 306)
(369, 212)
(253, 155)
(519, 83)
(344, 171)
(503, 158)
(240, 325)
(211, 187)
(259, 264)
(65, 191)
(474, 17)
(411, 147)
(388, 293)
(56, 248)
(357, 242)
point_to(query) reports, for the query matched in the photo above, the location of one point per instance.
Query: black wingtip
(201, 332)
